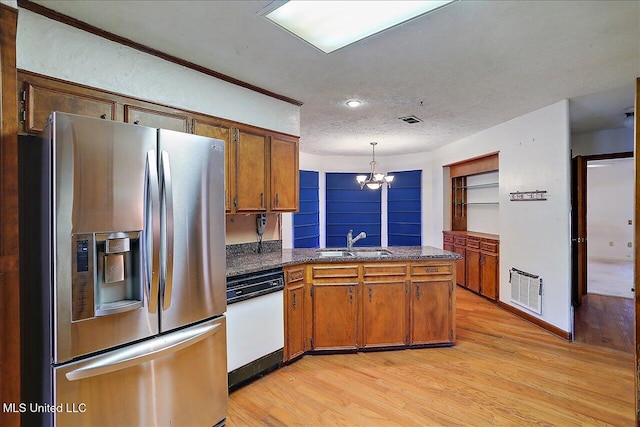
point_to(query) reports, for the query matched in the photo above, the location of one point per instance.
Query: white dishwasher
(255, 325)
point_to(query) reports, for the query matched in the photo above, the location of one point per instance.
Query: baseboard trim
(532, 319)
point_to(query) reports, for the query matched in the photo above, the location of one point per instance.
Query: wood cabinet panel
(40, 100)
(461, 269)
(335, 315)
(225, 133)
(251, 172)
(473, 269)
(295, 313)
(384, 314)
(155, 118)
(284, 175)
(432, 314)
(295, 331)
(489, 273)
(332, 271)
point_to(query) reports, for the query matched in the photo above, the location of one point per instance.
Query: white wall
(610, 205)
(602, 142)
(51, 48)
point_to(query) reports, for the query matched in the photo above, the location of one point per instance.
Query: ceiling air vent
(410, 119)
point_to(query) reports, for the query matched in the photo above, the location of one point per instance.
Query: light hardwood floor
(502, 371)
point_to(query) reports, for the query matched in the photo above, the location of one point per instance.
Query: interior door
(578, 229)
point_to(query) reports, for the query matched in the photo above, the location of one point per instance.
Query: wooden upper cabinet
(155, 118)
(225, 133)
(39, 98)
(250, 172)
(284, 175)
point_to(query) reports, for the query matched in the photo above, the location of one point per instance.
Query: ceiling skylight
(331, 25)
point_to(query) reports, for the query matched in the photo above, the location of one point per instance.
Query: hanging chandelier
(375, 180)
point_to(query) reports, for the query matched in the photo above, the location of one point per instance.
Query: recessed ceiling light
(353, 103)
(330, 25)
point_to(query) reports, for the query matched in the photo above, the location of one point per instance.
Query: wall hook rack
(528, 196)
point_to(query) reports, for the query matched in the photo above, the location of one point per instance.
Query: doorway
(604, 313)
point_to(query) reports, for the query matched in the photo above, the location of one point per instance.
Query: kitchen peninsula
(361, 299)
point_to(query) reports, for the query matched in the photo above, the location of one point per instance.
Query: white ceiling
(462, 69)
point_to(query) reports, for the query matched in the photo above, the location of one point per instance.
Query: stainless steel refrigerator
(123, 276)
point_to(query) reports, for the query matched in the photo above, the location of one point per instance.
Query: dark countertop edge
(272, 260)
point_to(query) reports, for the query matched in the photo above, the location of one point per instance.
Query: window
(350, 208)
(306, 222)
(404, 209)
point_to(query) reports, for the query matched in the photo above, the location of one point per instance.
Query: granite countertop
(250, 263)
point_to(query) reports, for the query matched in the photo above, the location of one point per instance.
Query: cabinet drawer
(431, 269)
(489, 247)
(384, 270)
(460, 241)
(448, 238)
(472, 243)
(334, 271)
(294, 275)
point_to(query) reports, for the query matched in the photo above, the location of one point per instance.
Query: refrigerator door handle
(143, 352)
(151, 240)
(167, 202)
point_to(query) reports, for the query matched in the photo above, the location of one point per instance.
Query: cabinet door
(251, 173)
(284, 175)
(461, 265)
(294, 327)
(432, 312)
(40, 100)
(473, 269)
(218, 131)
(156, 119)
(335, 310)
(384, 314)
(489, 274)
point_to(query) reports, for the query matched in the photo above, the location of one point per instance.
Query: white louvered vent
(526, 290)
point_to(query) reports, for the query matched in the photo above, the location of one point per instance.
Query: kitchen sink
(339, 253)
(373, 253)
(334, 253)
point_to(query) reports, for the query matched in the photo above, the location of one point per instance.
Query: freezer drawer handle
(146, 351)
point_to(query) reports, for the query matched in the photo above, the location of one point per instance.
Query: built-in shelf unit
(474, 186)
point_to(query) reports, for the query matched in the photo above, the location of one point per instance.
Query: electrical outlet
(630, 222)
(629, 245)
(610, 243)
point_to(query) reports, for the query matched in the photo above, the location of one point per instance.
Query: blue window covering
(306, 222)
(404, 209)
(350, 208)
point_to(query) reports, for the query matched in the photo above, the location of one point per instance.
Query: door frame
(579, 240)
(636, 140)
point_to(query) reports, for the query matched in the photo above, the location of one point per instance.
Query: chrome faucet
(351, 240)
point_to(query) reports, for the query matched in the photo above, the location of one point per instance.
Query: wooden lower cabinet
(472, 268)
(295, 343)
(375, 305)
(432, 312)
(384, 310)
(489, 273)
(479, 267)
(335, 315)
